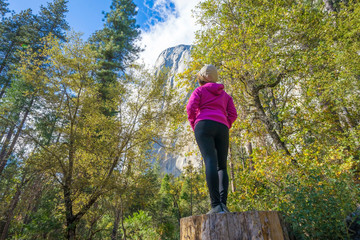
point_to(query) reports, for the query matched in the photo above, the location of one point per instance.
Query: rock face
(175, 60)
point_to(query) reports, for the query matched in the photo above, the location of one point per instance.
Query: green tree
(40, 212)
(116, 48)
(3, 7)
(91, 147)
(139, 226)
(194, 199)
(16, 34)
(24, 30)
(20, 32)
(290, 70)
(51, 19)
(168, 210)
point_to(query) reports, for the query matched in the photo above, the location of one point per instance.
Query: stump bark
(254, 225)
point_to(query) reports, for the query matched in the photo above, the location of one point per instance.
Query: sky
(163, 23)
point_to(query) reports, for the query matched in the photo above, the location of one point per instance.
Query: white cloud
(178, 28)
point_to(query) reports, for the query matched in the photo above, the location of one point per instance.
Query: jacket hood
(214, 88)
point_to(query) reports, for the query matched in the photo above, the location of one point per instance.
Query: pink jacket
(211, 102)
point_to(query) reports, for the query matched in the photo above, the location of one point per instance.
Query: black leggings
(213, 140)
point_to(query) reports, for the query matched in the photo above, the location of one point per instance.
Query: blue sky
(164, 23)
(86, 15)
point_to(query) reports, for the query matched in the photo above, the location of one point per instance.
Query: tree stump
(254, 225)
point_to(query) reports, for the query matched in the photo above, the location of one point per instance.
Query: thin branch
(37, 142)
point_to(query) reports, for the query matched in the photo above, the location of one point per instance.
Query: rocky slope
(175, 60)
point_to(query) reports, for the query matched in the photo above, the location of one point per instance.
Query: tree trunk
(3, 89)
(4, 158)
(232, 172)
(71, 231)
(348, 118)
(255, 225)
(4, 147)
(3, 133)
(13, 204)
(34, 202)
(70, 218)
(249, 152)
(116, 224)
(269, 125)
(122, 220)
(10, 213)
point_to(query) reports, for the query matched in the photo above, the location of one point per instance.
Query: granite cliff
(175, 60)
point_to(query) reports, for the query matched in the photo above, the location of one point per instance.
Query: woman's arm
(231, 111)
(192, 107)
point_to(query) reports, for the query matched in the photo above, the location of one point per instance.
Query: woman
(211, 112)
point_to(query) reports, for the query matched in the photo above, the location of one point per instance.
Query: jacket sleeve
(192, 108)
(231, 112)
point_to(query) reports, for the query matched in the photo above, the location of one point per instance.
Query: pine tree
(17, 32)
(116, 47)
(3, 7)
(23, 31)
(51, 19)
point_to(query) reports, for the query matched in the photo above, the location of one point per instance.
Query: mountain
(175, 60)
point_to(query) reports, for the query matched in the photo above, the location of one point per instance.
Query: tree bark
(3, 89)
(249, 152)
(71, 230)
(116, 224)
(70, 218)
(122, 220)
(255, 225)
(13, 204)
(269, 125)
(5, 145)
(232, 172)
(35, 200)
(10, 213)
(4, 157)
(348, 118)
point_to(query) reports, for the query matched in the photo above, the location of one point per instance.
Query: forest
(79, 120)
